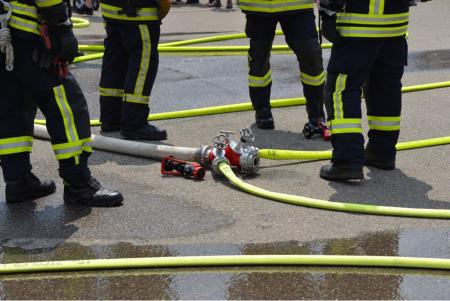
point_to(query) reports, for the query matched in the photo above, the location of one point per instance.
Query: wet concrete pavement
(175, 216)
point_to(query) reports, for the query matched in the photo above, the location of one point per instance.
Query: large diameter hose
(335, 206)
(279, 154)
(132, 148)
(227, 260)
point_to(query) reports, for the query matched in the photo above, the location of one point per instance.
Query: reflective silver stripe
(361, 19)
(16, 145)
(270, 4)
(260, 81)
(29, 10)
(111, 92)
(313, 80)
(384, 123)
(70, 150)
(340, 87)
(377, 7)
(145, 59)
(346, 126)
(141, 99)
(19, 24)
(353, 31)
(59, 96)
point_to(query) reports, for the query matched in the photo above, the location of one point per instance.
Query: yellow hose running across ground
(80, 22)
(227, 260)
(279, 154)
(247, 106)
(335, 206)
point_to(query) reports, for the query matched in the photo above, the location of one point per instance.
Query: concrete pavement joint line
(227, 260)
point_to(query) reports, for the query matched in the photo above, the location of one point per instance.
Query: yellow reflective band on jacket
(372, 32)
(275, 6)
(145, 59)
(312, 80)
(47, 3)
(16, 145)
(111, 92)
(341, 82)
(68, 120)
(72, 149)
(143, 14)
(345, 126)
(362, 19)
(24, 24)
(139, 99)
(24, 9)
(260, 81)
(381, 123)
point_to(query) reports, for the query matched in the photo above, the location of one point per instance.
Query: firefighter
(369, 46)
(42, 41)
(130, 64)
(297, 20)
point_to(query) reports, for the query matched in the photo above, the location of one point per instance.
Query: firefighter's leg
(65, 108)
(16, 131)
(142, 42)
(114, 69)
(349, 67)
(261, 31)
(384, 103)
(301, 36)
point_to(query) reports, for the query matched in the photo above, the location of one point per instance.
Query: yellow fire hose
(335, 206)
(267, 260)
(80, 22)
(279, 154)
(226, 261)
(247, 106)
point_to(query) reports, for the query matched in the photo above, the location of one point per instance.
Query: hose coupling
(249, 160)
(216, 162)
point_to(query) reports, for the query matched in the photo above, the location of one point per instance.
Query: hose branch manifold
(236, 153)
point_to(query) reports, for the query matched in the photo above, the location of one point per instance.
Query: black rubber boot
(371, 159)
(147, 132)
(27, 189)
(92, 193)
(192, 2)
(334, 173)
(229, 4)
(264, 118)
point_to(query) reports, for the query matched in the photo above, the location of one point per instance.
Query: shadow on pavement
(387, 188)
(28, 227)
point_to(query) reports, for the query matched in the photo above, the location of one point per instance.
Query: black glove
(57, 45)
(329, 30)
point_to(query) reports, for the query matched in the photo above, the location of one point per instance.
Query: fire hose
(226, 261)
(191, 154)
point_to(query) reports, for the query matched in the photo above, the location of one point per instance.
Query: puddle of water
(239, 283)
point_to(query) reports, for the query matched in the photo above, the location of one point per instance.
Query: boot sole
(352, 177)
(29, 198)
(75, 200)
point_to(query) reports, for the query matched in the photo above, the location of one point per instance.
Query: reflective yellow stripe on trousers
(137, 96)
(313, 80)
(381, 123)
(69, 125)
(260, 81)
(16, 145)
